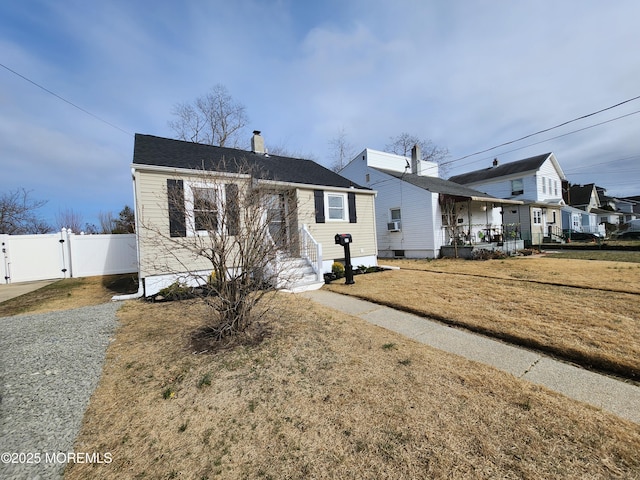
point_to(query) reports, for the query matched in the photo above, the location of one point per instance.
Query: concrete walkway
(11, 290)
(601, 391)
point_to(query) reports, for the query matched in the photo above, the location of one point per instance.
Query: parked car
(575, 235)
(630, 234)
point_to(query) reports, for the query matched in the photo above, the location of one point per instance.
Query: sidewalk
(11, 290)
(601, 391)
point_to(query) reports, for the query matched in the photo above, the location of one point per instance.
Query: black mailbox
(343, 239)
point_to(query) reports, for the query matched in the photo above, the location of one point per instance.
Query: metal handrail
(311, 250)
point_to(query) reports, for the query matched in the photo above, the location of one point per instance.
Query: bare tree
(449, 220)
(214, 118)
(107, 222)
(403, 143)
(69, 218)
(17, 213)
(125, 223)
(229, 235)
(341, 150)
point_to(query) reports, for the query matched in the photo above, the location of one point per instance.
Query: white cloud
(468, 75)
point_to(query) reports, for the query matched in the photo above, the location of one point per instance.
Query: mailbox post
(345, 240)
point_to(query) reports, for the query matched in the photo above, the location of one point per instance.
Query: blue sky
(468, 75)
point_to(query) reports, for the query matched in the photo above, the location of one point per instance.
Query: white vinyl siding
(421, 234)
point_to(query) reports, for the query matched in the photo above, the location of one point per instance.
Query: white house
(537, 182)
(417, 213)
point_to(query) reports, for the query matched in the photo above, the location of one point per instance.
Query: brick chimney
(415, 160)
(257, 142)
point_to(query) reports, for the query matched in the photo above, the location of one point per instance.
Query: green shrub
(337, 269)
(176, 291)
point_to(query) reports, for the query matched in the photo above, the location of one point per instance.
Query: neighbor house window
(517, 187)
(205, 209)
(336, 206)
(396, 216)
(537, 216)
(544, 185)
(555, 184)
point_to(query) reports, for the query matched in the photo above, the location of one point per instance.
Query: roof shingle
(512, 168)
(166, 152)
(439, 185)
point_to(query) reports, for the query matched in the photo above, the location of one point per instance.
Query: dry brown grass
(329, 396)
(70, 293)
(503, 299)
(606, 275)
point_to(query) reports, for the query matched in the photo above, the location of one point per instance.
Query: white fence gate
(64, 254)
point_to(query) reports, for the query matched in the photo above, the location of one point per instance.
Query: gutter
(140, 292)
(130, 296)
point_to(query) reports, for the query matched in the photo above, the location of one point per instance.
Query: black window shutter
(232, 209)
(175, 196)
(351, 199)
(318, 196)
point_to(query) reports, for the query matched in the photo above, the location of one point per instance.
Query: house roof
(512, 168)
(446, 187)
(581, 194)
(166, 152)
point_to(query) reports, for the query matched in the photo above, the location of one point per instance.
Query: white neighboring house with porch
(323, 204)
(418, 213)
(537, 182)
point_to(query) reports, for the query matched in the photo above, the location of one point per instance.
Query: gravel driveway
(50, 364)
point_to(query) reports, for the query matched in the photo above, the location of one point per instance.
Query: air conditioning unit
(393, 226)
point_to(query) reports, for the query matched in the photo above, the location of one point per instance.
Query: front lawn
(522, 300)
(329, 396)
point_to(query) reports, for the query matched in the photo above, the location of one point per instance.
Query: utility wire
(552, 138)
(545, 130)
(65, 100)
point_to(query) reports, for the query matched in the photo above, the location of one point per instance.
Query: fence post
(5, 258)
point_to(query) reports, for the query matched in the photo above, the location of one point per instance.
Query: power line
(65, 100)
(549, 139)
(543, 131)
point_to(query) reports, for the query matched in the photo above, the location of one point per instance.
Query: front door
(277, 216)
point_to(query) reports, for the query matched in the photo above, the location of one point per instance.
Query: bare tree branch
(17, 213)
(341, 150)
(403, 143)
(235, 233)
(214, 118)
(68, 218)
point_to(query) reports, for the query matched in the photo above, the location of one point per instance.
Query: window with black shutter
(175, 197)
(351, 200)
(318, 196)
(232, 209)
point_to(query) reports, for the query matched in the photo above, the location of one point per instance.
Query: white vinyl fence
(63, 255)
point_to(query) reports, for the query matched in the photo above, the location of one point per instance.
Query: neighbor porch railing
(311, 251)
(476, 233)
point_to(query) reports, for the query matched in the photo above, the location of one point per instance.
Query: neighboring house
(537, 182)
(577, 220)
(324, 203)
(635, 202)
(418, 213)
(584, 197)
(624, 208)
